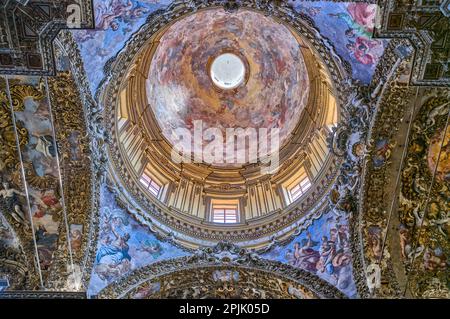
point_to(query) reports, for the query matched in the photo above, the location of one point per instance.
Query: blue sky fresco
(124, 245)
(347, 25)
(323, 249)
(116, 21)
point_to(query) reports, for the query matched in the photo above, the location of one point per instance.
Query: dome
(220, 127)
(268, 82)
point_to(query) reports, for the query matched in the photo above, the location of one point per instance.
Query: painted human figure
(353, 26)
(45, 145)
(75, 239)
(405, 239)
(360, 19)
(106, 13)
(305, 256)
(47, 203)
(12, 202)
(342, 242)
(341, 256)
(151, 247)
(375, 242)
(434, 260)
(327, 252)
(365, 50)
(364, 14)
(117, 250)
(43, 236)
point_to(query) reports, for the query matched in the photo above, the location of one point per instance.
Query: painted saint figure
(327, 252)
(360, 19)
(117, 250)
(365, 50)
(45, 145)
(305, 256)
(106, 13)
(353, 26)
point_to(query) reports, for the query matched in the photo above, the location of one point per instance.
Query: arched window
(4, 283)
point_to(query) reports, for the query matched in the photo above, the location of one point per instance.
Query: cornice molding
(152, 211)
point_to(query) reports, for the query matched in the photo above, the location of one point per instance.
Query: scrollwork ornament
(234, 263)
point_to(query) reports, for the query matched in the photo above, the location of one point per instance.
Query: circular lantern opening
(227, 71)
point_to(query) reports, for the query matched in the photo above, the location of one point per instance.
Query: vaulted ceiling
(358, 91)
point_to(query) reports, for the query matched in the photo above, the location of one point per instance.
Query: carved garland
(76, 171)
(67, 47)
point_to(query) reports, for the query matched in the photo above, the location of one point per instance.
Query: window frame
(225, 212)
(299, 188)
(150, 184)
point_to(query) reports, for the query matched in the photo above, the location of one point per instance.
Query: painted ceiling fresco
(443, 164)
(425, 205)
(38, 153)
(115, 22)
(180, 90)
(323, 249)
(347, 25)
(9, 246)
(32, 208)
(124, 245)
(33, 201)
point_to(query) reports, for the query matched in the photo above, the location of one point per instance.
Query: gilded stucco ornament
(424, 200)
(12, 198)
(68, 118)
(13, 260)
(392, 97)
(371, 116)
(70, 123)
(350, 134)
(73, 107)
(352, 144)
(156, 214)
(221, 268)
(352, 140)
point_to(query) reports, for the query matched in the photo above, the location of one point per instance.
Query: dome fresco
(227, 70)
(181, 91)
